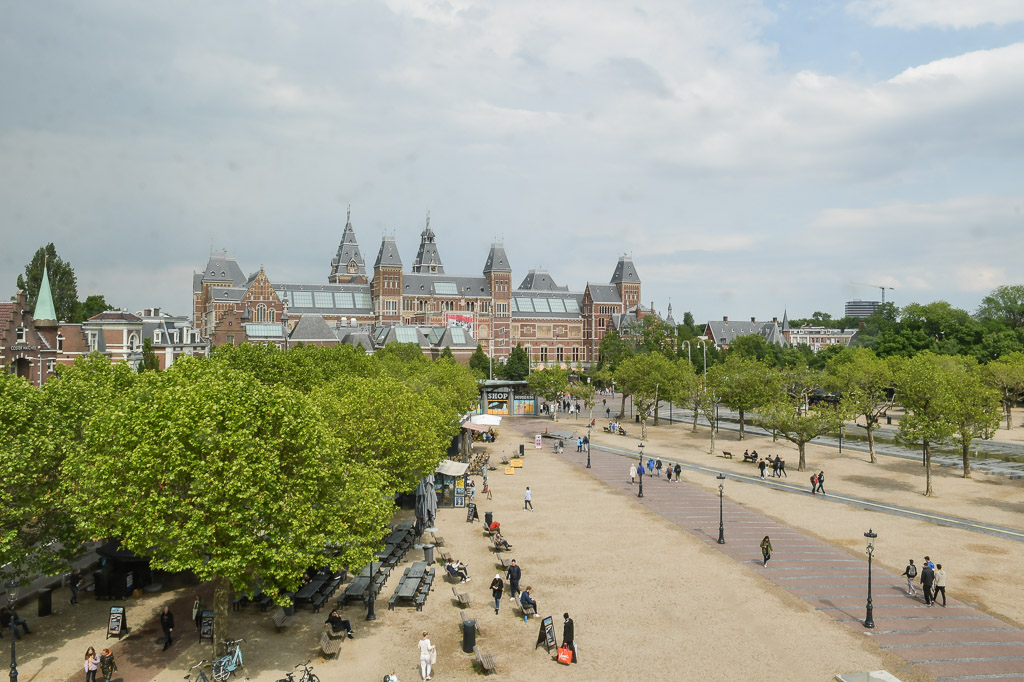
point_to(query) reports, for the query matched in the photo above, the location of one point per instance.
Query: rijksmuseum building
(425, 305)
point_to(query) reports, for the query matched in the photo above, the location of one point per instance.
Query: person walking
(821, 482)
(632, 474)
(497, 589)
(910, 572)
(668, 473)
(569, 635)
(762, 465)
(197, 611)
(528, 500)
(92, 664)
(766, 550)
(108, 666)
(9, 619)
(167, 623)
(74, 580)
(775, 466)
(940, 585)
(514, 575)
(657, 468)
(650, 466)
(782, 468)
(814, 484)
(678, 471)
(927, 581)
(428, 656)
(579, 444)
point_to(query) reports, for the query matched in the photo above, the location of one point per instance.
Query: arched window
(271, 315)
(261, 313)
(133, 342)
(353, 268)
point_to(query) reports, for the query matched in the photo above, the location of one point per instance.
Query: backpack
(814, 479)
(911, 570)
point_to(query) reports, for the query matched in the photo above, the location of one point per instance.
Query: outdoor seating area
(479, 463)
(414, 586)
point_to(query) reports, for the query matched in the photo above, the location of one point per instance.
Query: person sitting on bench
(526, 600)
(498, 540)
(339, 624)
(457, 570)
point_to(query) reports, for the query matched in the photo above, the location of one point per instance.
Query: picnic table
(356, 590)
(307, 591)
(417, 570)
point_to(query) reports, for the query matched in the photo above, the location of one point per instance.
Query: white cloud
(910, 14)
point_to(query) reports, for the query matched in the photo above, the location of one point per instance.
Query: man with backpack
(814, 484)
(910, 572)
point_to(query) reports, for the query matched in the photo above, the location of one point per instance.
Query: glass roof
(406, 335)
(458, 335)
(541, 305)
(446, 289)
(570, 306)
(302, 299)
(323, 299)
(343, 300)
(525, 305)
(263, 330)
(556, 305)
(363, 301)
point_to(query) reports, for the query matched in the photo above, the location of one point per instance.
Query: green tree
(866, 383)
(1004, 306)
(207, 470)
(706, 402)
(972, 410)
(479, 362)
(93, 305)
(517, 367)
(922, 384)
(648, 378)
(787, 417)
(745, 385)
(447, 353)
(549, 384)
(751, 346)
(1006, 375)
(613, 350)
(63, 283)
(150, 363)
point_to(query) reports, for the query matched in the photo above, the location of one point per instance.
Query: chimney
(725, 318)
(753, 320)
(775, 320)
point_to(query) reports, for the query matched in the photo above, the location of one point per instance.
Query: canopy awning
(488, 419)
(470, 426)
(451, 468)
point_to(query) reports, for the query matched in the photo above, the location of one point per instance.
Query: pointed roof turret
(348, 264)
(785, 320)
(428, 260)
(671, 321)
(497, 261)
(44, 312)
(624, 271)
(388, 254)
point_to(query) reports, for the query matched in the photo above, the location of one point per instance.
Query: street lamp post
(641, 493)
(588, 444)
(869, 621)
(11, 598)
(371, 596)
(840, 439)
(721, 514)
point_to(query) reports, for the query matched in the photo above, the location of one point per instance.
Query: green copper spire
(44, 302)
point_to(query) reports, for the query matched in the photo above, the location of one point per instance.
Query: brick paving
(955, 643)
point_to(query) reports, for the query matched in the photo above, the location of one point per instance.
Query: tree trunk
(927, 470)
(656, 406)
(1008, 408)
(712, 439)
(622, 408)
(741, 424)
(871, 441)
(803, 458)
(696, 413)
(221, 600)
(643, 427)
(966, 451)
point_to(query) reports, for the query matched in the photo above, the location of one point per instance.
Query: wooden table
(307, 591)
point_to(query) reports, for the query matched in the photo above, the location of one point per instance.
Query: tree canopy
(63, 283)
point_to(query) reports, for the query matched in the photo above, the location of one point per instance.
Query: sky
(754, 158)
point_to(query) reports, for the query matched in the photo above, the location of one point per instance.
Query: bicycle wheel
(220, 671)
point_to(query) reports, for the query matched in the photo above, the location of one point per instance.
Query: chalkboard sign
(116, 625)
(546, 636)
(471, 512)
(206, 626)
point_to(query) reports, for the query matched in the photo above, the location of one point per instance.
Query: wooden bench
(461, 597)
(462, 614)
(505, 563)
(317, 601)
(438, 540)
(330, 646)
(486, 661)
(749, 458)
(265, 602)
(527, 611)
(240, 601)
(727, 455)
(606, 429)
(443, 557)
(498, 547)
(281, 621)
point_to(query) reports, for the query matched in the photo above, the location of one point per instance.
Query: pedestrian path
(953, 643)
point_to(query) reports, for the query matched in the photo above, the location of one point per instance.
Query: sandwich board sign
(116, 625)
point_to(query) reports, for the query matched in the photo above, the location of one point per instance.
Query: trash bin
(45, 598)
(638, 419)
(522, 449)
(488, 518)
(469, 636)
(428, 554)
(888, 420)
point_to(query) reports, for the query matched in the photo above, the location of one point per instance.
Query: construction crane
(882, 287)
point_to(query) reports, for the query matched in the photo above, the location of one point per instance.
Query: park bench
(281, 620)
(443, 557)
(486, 661)
(463, 614)
(505, 563)
(749, 458)
(526, 610)
(317, 602)
(498, 547)
(438, 540)
(330, 646)
(265, 601)
(239, 601)
(622, 431)
(726, 454)
(461, 597)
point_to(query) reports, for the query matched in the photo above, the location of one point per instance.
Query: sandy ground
(649, 600)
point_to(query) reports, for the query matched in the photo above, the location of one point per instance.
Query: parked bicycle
(224, 666)
(307, 674)
(202, 675)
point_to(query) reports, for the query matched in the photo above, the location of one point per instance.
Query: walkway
(955, 643)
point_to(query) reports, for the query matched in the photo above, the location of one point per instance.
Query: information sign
(471, 513)
(536, 441)
(546, 636)
(206, 626)
(116, 625)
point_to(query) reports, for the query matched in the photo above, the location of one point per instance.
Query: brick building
(555, 324)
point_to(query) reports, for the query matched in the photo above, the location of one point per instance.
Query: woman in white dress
(427, 653)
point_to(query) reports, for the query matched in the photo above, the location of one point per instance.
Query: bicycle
(202, 675)
(307, 674)
(224, 666)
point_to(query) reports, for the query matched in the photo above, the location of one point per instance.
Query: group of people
(103, 662)
(933, 581)
(653, 468)
(582, 443)
(818, 483)
(777, 464)
(457, 569)
(615, 427)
